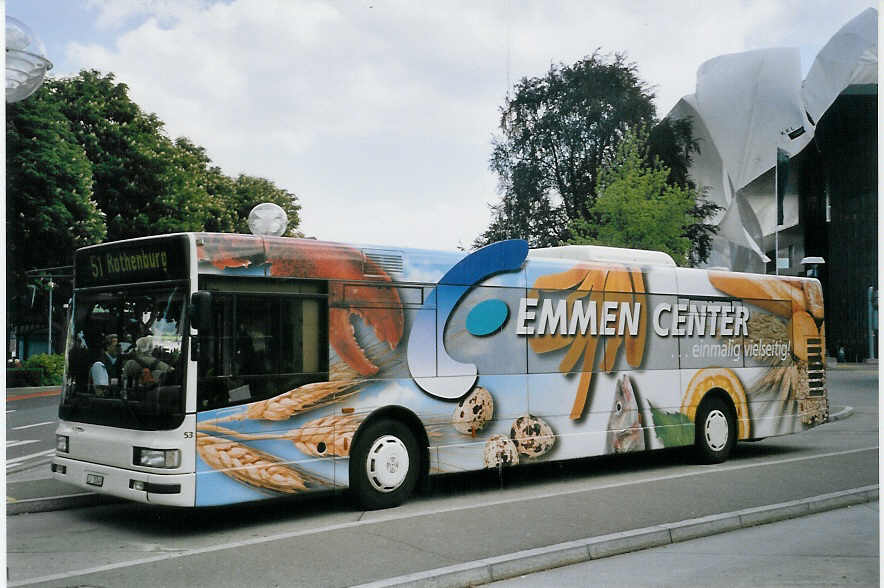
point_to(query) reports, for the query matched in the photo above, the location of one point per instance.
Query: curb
(834, 365)
(28, 389)
(534, 560)
(841, 414)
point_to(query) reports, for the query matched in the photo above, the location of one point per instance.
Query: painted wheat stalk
(294, 402)
(253, 467)
(331, 435)
(784, 383)
(327, 436)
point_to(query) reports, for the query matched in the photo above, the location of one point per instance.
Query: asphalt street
(324, 541)
(31, 418)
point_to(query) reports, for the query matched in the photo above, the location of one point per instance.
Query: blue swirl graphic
(423, 360)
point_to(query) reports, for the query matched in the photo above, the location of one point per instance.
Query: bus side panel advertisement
(510, 359)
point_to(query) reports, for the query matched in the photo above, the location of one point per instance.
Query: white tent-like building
(746, 106)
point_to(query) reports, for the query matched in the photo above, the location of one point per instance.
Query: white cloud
(379, 113)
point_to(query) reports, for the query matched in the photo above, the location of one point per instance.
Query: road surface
(325, 541)
(31, 418)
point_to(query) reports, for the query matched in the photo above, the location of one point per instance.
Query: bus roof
(604, 254)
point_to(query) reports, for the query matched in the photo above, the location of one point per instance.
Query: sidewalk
(31, 392)
(834, 548)
(820, 541)
(832, 364)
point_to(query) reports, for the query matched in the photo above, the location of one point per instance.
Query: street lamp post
(873, 318)
(51, 286)
(812, 266)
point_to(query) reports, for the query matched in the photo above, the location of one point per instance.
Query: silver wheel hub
(387, 463)
(716, 430)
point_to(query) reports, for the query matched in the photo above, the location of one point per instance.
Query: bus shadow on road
(659, 462)
(176, 522)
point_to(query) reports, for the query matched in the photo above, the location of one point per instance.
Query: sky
(379, 114)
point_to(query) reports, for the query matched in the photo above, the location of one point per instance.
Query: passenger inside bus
(143, 369)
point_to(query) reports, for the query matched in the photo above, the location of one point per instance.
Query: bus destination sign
(144, 261)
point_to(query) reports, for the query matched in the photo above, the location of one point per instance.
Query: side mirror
(200, 310)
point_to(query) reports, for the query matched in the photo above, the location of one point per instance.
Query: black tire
(377, 478)
(715, 430)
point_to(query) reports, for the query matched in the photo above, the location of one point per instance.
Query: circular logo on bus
(487, 317)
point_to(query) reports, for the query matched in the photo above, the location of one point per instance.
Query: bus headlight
(61, 443)
(157, 458)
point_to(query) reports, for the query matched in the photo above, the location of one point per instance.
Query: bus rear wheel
(715, 430)
(384, 464)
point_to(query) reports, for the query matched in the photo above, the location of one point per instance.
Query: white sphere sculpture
(26, 62)
(268, 219)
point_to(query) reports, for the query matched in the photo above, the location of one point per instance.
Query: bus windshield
(124, 358)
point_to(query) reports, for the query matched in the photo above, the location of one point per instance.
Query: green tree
(86, 164)
(191, 198)
(637, 207)
(525, 212)
(564, 127)
(143, 182)
(559, 131)
(671, 142)
(50, 209)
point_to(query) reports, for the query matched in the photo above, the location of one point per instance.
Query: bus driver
(106, 371)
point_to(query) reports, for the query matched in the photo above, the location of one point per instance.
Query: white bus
(206, 369)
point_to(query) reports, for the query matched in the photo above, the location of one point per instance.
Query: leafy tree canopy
(86, 164)
(560, 131)
(636, 207)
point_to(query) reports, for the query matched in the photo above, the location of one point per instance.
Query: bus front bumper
(165, 489)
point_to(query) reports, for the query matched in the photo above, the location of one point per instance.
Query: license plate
(94, 479)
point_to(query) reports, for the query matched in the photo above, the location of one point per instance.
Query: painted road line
(10, 410)
(24, 458)
(870, 493)
(18, 443)
(34, 425)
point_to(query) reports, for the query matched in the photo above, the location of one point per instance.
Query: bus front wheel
(384, 464)
(715, 430)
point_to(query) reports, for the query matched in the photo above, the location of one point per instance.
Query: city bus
(209, 369)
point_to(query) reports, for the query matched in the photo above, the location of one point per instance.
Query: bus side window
(262, 346)
(301, 342)
(255, 325)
